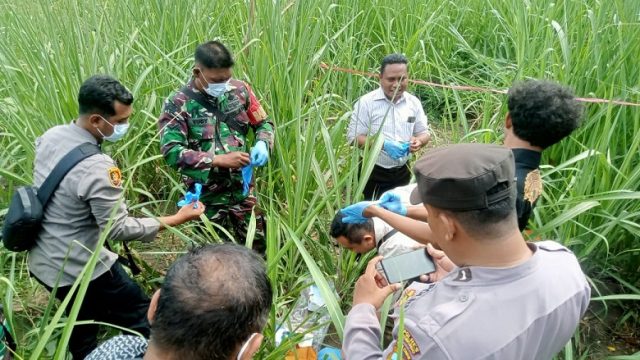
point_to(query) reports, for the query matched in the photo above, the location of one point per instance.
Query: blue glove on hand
(352, 214)
(395, 149)
(259, 154)
(247, 176)
(192, 197)
(391, 201)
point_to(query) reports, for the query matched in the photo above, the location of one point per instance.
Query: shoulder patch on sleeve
(551, 246)
(532, 186)
(410, 347)
(115, 176)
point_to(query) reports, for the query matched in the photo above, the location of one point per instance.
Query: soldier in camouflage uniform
(203, 134)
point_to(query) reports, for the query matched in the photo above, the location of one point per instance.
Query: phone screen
(407, 266)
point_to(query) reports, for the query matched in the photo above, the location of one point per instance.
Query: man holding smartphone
(496, 296)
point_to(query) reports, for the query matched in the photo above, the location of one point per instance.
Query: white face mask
(215, 90)
(244, 346)
(119, 131)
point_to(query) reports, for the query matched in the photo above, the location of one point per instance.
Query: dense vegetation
(591, 199)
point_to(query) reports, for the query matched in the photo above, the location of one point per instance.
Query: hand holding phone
(371, 287)
(407, 266)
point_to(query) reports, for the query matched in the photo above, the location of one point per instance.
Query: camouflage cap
(460, 177)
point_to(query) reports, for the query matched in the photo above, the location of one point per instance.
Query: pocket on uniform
(200, 129)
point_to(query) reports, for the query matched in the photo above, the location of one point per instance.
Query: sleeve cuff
(151, 227)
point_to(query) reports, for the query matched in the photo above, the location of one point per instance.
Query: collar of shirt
(379, 95)
(82, 133)
(489, 276)
(380, 229)
(526, 157)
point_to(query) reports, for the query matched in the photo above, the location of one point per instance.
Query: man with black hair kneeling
(214, 304)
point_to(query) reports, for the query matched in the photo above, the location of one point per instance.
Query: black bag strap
(8, 339)
(50, 184)
(202, 100)
(61, 169)
(386, 237)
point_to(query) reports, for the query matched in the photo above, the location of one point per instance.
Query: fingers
(391, 288)
(436, 254)
(352, 220)
(244, 158)
(381, 281)
(371, 266)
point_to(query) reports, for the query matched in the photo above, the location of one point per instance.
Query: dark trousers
(382, 180)
(113, 298)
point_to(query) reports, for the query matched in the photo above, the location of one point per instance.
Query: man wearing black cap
(494, 295)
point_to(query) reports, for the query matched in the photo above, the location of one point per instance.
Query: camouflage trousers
(235, 219)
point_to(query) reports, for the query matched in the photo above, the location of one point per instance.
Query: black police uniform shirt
(528, 181)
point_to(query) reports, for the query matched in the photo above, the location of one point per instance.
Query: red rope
(469, 88)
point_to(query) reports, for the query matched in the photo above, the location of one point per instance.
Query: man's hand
(232, 160)
(415, 144)
(391, 201)
(259, 154)
(395, 149)
(354, 214)
(444, 265)
(190, 212)
(371, 287)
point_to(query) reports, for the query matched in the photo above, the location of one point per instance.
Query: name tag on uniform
(411, 119)
(198, 121)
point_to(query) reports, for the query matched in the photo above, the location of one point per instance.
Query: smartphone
(407, 266)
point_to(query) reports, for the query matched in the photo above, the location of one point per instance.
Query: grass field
(591, 201)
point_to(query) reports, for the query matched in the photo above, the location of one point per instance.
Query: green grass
(591, 199)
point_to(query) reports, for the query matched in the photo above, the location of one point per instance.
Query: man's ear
(507, 121)
(252, 347)
(94, 120)
(369, 240)
(448, 224)
(153, 306)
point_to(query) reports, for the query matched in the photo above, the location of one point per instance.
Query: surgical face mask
(244, 346)
(215, 89)
(119, 131)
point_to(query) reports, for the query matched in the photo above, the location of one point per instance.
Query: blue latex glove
(395, 149)
(192, 197)
(259, 154)
(352, 214)
(329, 353)
(247, 175)
(391, 201)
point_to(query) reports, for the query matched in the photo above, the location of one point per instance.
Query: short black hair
(99, 93)
(543, 112)
(213, 55)
(392, 59)
(212, 300)
(497, 219)
(353, 232)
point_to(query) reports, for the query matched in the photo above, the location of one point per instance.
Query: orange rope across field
(469, 88)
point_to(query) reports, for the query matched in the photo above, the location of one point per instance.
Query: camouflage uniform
(190, 137)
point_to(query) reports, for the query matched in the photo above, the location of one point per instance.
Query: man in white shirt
(372, 234)
(399, 117)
